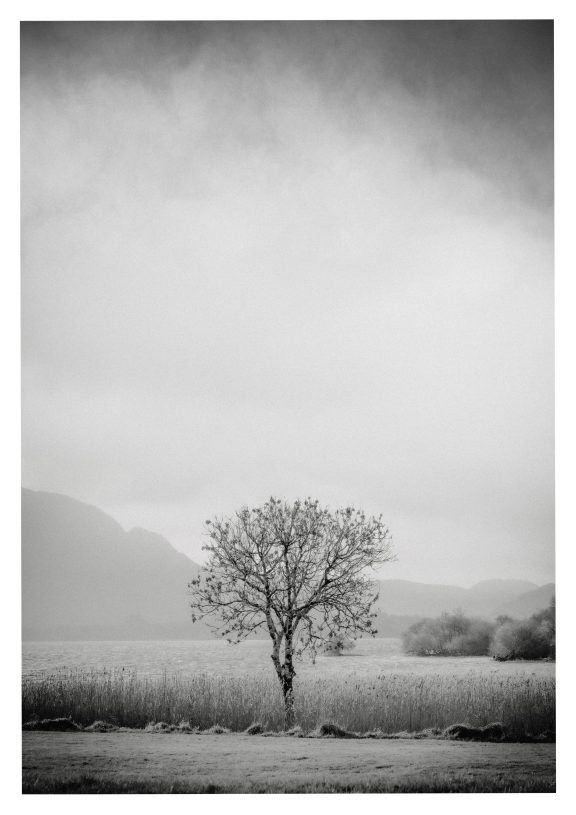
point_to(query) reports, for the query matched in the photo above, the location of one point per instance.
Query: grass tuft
(295, 731)
(255, 729)
(64, 724)
(101, 727)
(463, 732)
(187, 727)
(216, 729)
(160, 727)
(333, 731)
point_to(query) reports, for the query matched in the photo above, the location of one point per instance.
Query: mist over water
(154, 659)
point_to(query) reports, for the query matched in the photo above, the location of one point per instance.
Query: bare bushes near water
(455, 634)
(387, 703)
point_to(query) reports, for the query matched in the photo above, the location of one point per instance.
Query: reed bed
(390, 702)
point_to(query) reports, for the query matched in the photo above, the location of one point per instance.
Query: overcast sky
(295, 259)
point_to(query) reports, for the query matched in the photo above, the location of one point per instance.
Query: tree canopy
(296, 570)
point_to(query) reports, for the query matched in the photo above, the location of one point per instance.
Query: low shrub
(449, 635)
(534, 638)
(336, 646)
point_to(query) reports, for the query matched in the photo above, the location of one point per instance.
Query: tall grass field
(391, 703)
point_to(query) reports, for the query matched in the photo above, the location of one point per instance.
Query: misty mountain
(81, 569)
(529, 603)
(485, 599)
(85, 577)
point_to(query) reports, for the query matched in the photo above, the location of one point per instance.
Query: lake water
(368, 658)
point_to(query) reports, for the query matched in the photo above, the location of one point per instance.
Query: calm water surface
(368, 658)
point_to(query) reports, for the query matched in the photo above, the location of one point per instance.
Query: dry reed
(390, 703)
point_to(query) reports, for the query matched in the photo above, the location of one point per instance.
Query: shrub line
(493, 732)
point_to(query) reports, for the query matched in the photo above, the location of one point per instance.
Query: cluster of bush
(336, 646)
(534, 638)
(451, 634)
(455, 634)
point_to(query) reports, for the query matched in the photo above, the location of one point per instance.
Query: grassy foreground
(137, 761)
(90, 785)
(390, 703)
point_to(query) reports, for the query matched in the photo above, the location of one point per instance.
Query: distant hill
(85, 578)
(527, 604)
(486, 599)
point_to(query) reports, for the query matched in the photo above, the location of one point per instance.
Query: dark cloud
(301, 258)
(489, 83)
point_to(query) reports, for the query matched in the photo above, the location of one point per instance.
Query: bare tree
(296, 570)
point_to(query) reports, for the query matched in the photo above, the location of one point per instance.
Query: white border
(9, 325)
(283, 10)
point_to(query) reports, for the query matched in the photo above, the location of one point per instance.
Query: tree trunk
(288, 690)
(285, 673)
(288, 674)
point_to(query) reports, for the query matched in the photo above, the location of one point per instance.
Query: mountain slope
(529, 603)
(80, 568)
(485, 599)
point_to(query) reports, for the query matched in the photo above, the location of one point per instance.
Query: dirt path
(243, 759)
